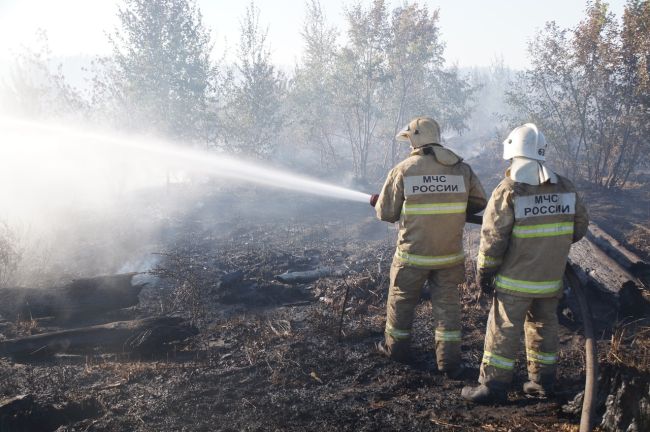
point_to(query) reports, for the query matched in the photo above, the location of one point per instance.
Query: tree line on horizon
(587, 88)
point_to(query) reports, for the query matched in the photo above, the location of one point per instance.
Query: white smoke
(93, 202)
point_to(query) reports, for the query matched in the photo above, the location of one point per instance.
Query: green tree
(254, 115)
(421, 84)
(586, 89)
(362, 75)
(160, 77)
(391, 70)
(415, 58)
(634, 79)
(312, 88)
(541, 93)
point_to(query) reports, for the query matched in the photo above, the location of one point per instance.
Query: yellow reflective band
(397, 333)
(434, 209)
(543, 287)
(448, 335)
(498, 361)
(485, 261)
(541, 357)
(425, 261)
(544, 230)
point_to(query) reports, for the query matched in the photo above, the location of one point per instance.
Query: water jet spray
(213, 164)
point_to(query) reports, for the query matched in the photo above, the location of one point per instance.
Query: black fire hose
(591, 354)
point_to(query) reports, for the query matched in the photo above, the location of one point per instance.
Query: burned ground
(269, 356)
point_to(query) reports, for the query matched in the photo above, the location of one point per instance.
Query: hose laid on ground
(591, 354)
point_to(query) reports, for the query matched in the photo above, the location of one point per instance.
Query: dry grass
(630, 346)
(26, 327)
(126, 371)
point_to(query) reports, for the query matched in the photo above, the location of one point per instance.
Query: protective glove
(485, 280)
(373, 199)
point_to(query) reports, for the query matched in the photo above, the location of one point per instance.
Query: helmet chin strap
(530, 171)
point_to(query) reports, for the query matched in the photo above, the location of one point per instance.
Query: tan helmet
(420, 132)
(526, 141)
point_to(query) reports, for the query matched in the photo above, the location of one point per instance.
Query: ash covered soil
(269, 355)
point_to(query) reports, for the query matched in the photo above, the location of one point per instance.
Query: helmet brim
(403, 136)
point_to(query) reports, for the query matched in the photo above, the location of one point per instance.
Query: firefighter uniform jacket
(526, 235)
(429, 193)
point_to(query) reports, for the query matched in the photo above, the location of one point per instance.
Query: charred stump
(626, 400)
(623, 400)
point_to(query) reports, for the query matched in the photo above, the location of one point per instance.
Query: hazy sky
(475, 31)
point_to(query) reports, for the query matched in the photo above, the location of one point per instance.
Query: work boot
(398, 351)
(544, 388)
(483, 394)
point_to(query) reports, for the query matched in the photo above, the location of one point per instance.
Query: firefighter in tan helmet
(531, 220)
(430, 194)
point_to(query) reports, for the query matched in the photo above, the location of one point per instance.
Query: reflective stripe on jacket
(429, 193)
(526, 235)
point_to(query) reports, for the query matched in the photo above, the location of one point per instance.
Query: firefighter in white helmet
(430, 194)
(530, 221)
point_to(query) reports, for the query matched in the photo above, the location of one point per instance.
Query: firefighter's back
(541, 237)
(437, 186)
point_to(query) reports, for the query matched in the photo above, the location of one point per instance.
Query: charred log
(624, 257)
(80, 298)
(150, 335)
(614, 293)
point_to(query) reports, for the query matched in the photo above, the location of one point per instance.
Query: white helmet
(525, 141)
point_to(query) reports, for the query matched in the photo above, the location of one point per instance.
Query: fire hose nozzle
(373, 199)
